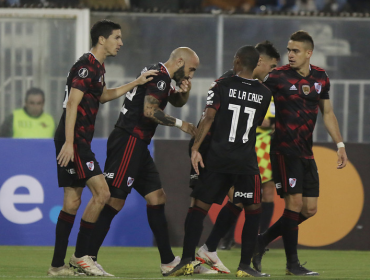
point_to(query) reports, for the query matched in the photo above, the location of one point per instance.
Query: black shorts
(76, 173)
(129, 165)
(295, 175)
(212, 187)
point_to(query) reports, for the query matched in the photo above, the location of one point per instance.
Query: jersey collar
(165, 68)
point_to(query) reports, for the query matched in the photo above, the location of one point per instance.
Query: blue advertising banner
(30, 199)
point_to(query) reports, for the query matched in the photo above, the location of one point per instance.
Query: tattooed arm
(153, 112)
(203, 128)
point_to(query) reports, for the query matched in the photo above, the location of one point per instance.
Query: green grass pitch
(26, 262)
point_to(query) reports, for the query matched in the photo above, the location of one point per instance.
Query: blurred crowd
(201, 6)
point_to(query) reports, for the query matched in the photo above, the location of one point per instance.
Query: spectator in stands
(230, 6)
(30, 121)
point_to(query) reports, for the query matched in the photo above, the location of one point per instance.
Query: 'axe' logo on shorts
(245, 195)
(130, 181)
(292, 182)
(90, 165)
(278, 185)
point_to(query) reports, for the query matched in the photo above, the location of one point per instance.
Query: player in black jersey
(235, 106)
(76, 163)
(299, 90)
(129, 164)
(227, 218)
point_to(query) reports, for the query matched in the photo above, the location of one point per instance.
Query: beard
(179, 75)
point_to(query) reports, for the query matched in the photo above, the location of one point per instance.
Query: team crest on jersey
(130, 181)
(90, 165)
(318, 87)
(292, 182)
(83, 72)
(306, 89)
(161, 85)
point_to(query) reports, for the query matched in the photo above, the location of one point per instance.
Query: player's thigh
(247, 189)
(288, 174)
(98, 187)
(212, 187)
(268, 191)
(311, 179)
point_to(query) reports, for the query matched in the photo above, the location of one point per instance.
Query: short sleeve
(159, 86)
(83, 76)
(272, 81)
(213, 98)
(324, 94)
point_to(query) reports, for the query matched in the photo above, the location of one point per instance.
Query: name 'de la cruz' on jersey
(86, 75)
(297, 103)
(241, 105)
(131, 117)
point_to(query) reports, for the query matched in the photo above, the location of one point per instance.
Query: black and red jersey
(241, 105)
(131, 117)
(296, 105)
(86, 75)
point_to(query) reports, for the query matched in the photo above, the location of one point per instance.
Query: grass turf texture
(26, 262)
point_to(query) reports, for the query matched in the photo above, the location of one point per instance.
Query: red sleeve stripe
(125, 161)
(79, 169)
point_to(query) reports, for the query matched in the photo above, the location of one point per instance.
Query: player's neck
(245, 74)
(99, 54)
(170, 68)
(304, 71)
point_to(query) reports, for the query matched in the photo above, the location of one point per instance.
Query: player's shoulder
(318, 71)
(162, 71)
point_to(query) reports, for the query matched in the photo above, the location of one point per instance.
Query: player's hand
(196, 159)
(66, 154)
(188, 128)
(144, 78)
(185, 86)
(342, 158)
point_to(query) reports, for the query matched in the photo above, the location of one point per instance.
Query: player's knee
(102, 197)
(309, 212)
(156, 198)
(71, 206)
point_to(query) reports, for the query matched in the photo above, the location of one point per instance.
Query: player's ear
(102, 40)
(309, 53)
(259, 61)
(180, 62)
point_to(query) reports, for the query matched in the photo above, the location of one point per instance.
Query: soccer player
(299, 90)
(76, 162)
(235, 106)
(227, 218)
(129, 164)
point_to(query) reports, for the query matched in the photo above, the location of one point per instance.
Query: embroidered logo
(90, 165)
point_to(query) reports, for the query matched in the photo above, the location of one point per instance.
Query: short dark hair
(35, 91)
(267, 48)
(248, 56)
(102, 28)
(302, 36)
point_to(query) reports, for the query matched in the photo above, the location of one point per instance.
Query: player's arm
(203, 128)
(331, 125)
(66, 153)
(153, 112)
(179, 97)
(114, 93)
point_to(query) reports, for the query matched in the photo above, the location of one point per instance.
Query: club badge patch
(130, 181)
(90, 165)
(292, 182)
(161, 85)
(306, 89)
(83, 72)
(318, 87)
